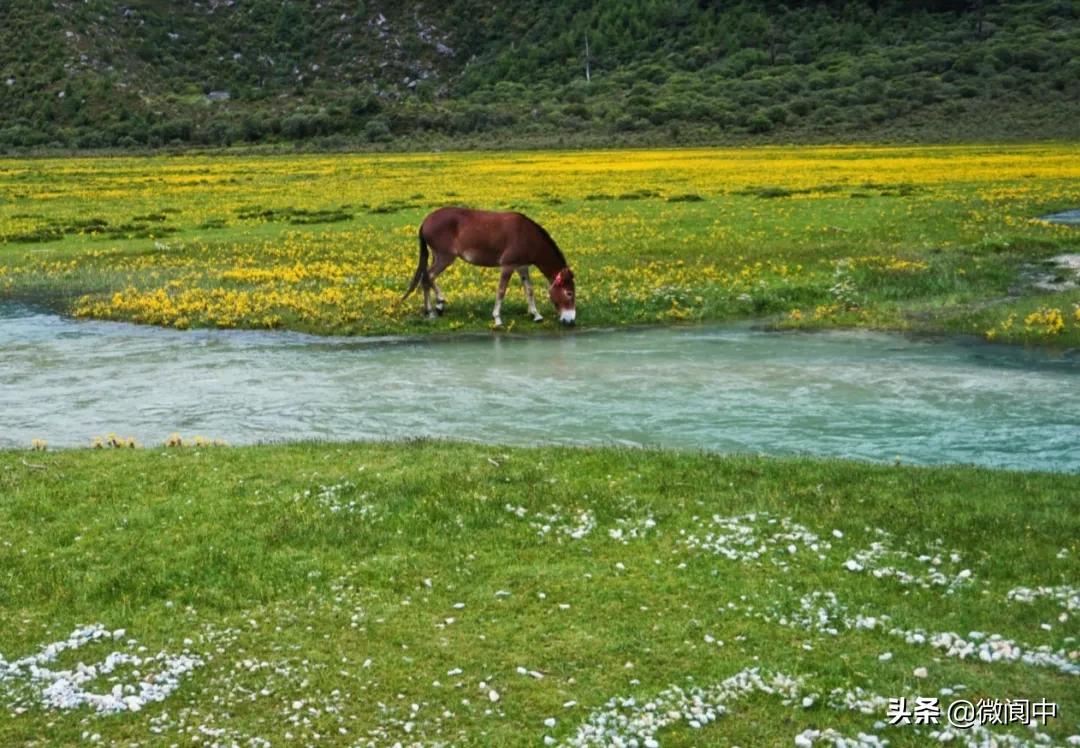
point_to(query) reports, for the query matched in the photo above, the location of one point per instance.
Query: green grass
(241, 552)
(911, 238)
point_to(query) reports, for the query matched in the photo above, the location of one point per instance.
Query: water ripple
(855, 394)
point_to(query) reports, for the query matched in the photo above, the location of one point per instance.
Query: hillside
(150, 73)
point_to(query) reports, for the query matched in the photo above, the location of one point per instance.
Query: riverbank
(487, 595)
(927, 238)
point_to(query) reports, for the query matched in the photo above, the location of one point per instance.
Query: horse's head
(562, 296)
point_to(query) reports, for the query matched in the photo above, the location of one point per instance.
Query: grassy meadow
(910, 238)
(433, 593)
(426, 593)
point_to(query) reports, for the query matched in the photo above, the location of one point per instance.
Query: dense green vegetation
(483, 595)
(148, 73)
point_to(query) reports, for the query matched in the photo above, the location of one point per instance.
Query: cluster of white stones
(631, 528)
(333, 498)
(1065, 595)
(573, 525)
(857, 700)
(818, 611)
(821, 612)
(881, 561)
(306, 700)
(68, 688)
(829, 736)
(978, 736)
(630, 722)
(993, 648)
(824, 613)
(757, 535)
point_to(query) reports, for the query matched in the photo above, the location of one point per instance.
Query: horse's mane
(543, 232)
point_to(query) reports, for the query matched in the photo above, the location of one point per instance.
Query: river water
(719, 388)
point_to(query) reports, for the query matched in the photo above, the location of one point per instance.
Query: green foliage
(99, 75)
(350, 575)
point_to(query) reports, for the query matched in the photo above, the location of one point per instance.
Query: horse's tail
(421, 274)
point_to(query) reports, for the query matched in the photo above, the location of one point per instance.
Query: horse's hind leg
(442, 262)
(504, 281)
(523, 271)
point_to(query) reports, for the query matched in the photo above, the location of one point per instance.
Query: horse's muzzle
(568, 317)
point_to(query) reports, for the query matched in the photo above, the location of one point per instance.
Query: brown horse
(510, 241)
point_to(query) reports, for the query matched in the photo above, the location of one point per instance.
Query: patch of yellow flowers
(1044, 322)
(242, 252)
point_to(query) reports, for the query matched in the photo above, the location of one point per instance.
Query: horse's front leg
(504, 280)
(523, 271)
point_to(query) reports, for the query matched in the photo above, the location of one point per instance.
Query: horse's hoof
(497, 322)
(432, 315)
(538, 318)
(439, 308)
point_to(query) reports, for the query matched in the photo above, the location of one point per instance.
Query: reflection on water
(727, 389)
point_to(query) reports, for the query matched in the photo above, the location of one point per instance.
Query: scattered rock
(1060, 273)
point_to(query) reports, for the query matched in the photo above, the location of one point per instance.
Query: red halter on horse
(492, 239)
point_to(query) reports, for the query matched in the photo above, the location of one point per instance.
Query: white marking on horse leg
(567, 317)
(440, 300)
(504, 280)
